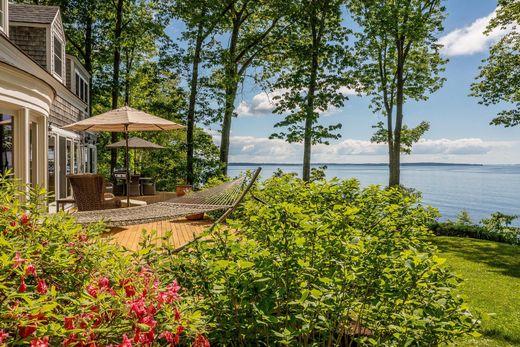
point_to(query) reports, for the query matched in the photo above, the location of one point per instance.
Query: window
(81, 88)
(3, 17)
(58, 59)
(6, 143)
(2, 14)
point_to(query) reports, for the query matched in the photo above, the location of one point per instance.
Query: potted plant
(182, 189)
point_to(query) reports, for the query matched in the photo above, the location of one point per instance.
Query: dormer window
(58, 57)
(3, 15)
(81, 88)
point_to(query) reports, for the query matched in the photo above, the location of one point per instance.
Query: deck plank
(183, 231)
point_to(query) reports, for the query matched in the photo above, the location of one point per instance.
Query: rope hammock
(225, 196)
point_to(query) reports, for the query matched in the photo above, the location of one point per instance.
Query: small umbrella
(135, 143)
(124, 119)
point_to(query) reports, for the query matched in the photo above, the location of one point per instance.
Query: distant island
(353, 164)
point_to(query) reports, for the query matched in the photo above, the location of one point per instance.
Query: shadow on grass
(503, 257)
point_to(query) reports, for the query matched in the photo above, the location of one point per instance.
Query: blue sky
(460, 130)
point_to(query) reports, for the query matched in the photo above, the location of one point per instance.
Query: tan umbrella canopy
(124, 119)
(135, 142)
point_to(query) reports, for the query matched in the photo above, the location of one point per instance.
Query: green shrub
(61, 284)
(495, 228)
(323, 263)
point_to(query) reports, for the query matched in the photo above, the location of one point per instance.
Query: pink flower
(24, 219)
(22, 288)
(40, 342)
(18, 260)
(201, 341)
(3, 335)
(92, 291)
(41, 287)
(126, 342)
(68, 323)
(168, 336)
(104, 283)
(83, 238)
(30, 270)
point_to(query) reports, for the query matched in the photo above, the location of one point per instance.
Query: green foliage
(323, 263)
(63, 284)
(499, 77)
(409, 136)
(495, 228)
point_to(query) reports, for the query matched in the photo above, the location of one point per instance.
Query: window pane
(58, 50)
(6, 143)
(77, 84)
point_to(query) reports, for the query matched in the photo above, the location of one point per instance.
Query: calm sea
(480, 190)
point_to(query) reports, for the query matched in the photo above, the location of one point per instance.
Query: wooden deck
(183, 231)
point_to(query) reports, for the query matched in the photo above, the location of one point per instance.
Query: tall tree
(314, 62)
(251, 28)
(499, 78)
(399, 61)
(202, 18)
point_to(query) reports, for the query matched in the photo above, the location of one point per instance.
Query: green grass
(491, 273)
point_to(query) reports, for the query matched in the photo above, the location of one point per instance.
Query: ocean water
(480, 190)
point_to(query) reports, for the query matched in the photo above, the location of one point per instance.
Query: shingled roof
(32, 13)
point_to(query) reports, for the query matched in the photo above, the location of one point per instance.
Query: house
(41, 90)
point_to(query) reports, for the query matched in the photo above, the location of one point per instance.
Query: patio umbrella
(124, 119)
(135, 143)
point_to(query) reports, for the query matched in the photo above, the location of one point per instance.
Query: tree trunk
(88, 56)
(309, 120)
(115, 75)
(231, 81)
(395, 163)
(193, 100)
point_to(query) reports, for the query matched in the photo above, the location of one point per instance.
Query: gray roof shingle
(32, 13)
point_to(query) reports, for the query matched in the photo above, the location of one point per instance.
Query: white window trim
(4, 8)
(61, 78)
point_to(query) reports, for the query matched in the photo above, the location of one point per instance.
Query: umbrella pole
(127, 169)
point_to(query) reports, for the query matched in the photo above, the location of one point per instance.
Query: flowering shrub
(62, 284)
(323, 264)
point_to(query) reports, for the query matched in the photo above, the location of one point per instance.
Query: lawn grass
(491, 273)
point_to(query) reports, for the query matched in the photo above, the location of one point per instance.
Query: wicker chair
(89, 193)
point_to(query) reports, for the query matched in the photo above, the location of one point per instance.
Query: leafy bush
(495, 228)
(323, 263)
(61, 284)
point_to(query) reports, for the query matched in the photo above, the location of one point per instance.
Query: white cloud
(471, 38)
(466, 150)
(263, 104)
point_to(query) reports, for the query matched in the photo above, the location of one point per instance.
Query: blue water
(480, 190)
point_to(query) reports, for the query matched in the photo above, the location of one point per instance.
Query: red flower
(69, 323)
(40, 342)
(24, 219)
(13, 224)
(104, 283)
(22, 288)
(177, 314)
(26, 330)
(41, 287)
(126, 342)
(18, 260)
(92, 291)
(3, 335)
(83, 237)
(30, 270)
(201, 341)
(5, 209)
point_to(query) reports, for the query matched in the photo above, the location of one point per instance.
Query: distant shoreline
(361, 164)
